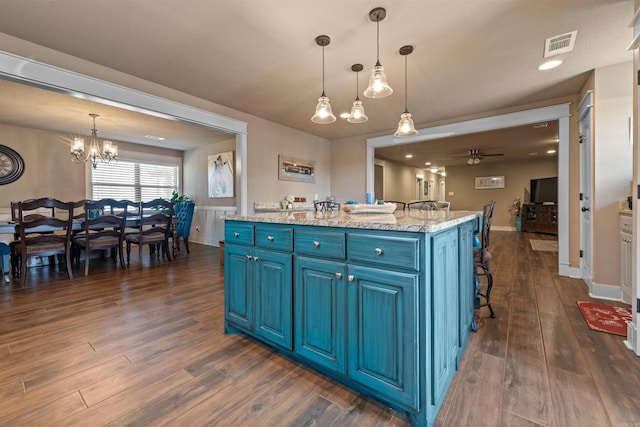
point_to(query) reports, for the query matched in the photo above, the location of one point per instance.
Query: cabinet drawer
(280, 238)
(320, 243)
(398, 252)
(238, 233)
(625, 223)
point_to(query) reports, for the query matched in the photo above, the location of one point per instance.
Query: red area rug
(605, 318)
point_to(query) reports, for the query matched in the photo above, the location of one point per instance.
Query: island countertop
(415, 220)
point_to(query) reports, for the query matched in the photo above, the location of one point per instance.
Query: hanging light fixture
(378, 85)
(357, 111)
(323, 113)
(94, 155)
(406, 126)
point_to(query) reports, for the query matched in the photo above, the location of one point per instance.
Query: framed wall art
(290, 169)
(220, 174)
(488, 182)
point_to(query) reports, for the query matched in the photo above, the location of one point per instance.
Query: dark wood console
(540, 218)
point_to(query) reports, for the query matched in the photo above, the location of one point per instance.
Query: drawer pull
(236, 234)
(270, 238)
(378, 251)
(338, 275)
(316, 244)
(351, 278)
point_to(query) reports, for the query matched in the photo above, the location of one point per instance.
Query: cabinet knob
(255, 258)
(236, 234)
(351, 278)
(316, 244)
(270, 238)
(248, 257)
(378, 251)
(338, 275)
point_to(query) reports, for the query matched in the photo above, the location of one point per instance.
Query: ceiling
(260, 57)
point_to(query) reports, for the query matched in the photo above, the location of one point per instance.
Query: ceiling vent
(559, 44)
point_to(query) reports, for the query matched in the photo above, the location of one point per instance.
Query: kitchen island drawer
(320, 243)
(274, 237)
(392, 251)
(238, 233)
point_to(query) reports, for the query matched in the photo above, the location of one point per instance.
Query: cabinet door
(465, 284)
(444, 322)
(320, 313)
(383, 332)
(238, 286)
(273, 287)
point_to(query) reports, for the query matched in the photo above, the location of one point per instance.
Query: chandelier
(94, 154)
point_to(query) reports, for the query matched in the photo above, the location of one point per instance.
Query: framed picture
(488, 182)
(290, 169)
(220, 174)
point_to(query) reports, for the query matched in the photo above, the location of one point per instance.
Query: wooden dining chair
(103, 229)
(155, 228)
(45, 235)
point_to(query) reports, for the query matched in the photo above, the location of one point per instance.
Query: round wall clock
(11, 165)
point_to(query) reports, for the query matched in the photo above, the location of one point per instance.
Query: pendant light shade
(323, 113)
(378, 84)
(357, 110)
(406, 126)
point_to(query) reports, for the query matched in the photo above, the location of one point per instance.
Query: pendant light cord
(406, 110)
(323, 71)
(378, 42)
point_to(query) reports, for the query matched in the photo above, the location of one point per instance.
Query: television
(544, 190)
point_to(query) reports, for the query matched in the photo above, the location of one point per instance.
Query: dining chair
(482, 260)
(325, 205)
(28, 214)
(399, 205)
(155, 228)
(102, 229)
(417, 205)
(184, 213)
(44, 235)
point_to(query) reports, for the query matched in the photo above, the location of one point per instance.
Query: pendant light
(378, 85)
(357, 111)
(406, 126)
(323, 113)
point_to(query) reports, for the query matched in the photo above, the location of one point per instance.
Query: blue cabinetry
(258, 282)
(386, 312)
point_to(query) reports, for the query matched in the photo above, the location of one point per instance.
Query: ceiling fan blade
(490, 155)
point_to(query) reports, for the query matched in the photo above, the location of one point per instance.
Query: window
(134, 181)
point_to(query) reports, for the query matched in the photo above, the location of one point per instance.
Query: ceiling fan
(474, 156)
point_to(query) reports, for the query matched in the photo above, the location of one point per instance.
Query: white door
(419, 187)
(586, 167)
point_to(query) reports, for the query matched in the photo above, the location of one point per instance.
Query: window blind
(134, 181)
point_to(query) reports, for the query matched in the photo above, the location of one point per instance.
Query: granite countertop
(415, 220)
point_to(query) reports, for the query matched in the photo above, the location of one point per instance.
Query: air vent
(559, 44)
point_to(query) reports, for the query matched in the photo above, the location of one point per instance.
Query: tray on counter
(387, 208)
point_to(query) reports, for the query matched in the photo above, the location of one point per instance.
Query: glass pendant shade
(357, 113)
(93, 155)
(406, 126)
(323, 113)
(378, 84)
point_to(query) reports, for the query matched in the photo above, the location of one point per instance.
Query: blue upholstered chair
(4, 253)
(184, 212)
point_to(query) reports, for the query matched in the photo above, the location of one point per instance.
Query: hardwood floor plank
(512, 420)
(576, 401)
(526, 389)
(561, 345)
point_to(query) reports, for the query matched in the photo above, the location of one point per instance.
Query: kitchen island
(380, 302)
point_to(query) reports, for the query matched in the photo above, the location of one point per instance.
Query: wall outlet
(451, 193)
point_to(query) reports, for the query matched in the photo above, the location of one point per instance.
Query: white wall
(613, 165)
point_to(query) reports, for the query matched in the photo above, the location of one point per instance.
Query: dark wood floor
(146, 346)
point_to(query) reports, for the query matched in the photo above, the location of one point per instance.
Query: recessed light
(427, 163)
(157, 138)
(540, 125)
(552, 63)
(408, 156)
(551, 151)
(533, 154)
(344, 115)
(433, 170)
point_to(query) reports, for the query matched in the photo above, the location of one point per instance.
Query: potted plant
(516, 211)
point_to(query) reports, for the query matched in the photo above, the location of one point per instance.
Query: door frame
(559, 112)
(585, 118)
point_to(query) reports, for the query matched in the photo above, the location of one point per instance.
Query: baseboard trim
(608, 292)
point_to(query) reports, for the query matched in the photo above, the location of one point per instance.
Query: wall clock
(11, 165)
